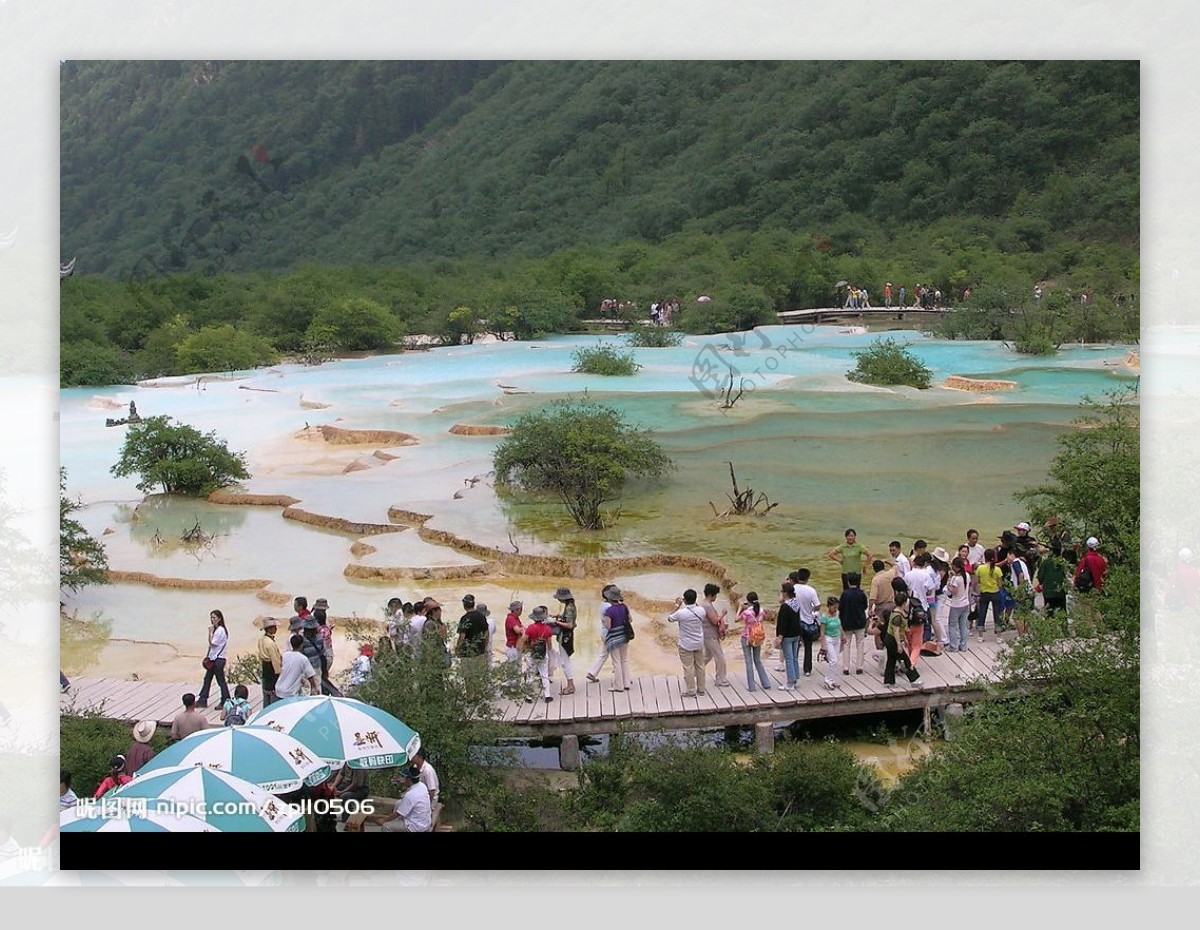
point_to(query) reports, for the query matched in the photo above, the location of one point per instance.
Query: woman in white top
(214, 659)
(958, 589)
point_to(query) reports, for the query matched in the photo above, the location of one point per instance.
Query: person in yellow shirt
(989, 575)
(272, 661)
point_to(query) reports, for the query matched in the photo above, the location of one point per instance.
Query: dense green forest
(223, 212)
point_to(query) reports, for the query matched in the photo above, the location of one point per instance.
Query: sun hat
(483, 609)
(539, 613)
(1022, 526)
(270, 623)
(611, 593)
(1185, 554)
(321, 604)
(564, 594)
(941, 554)
(143, 730)
(1092, 542)
(516, 606)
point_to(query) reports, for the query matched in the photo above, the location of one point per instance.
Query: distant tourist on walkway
(537, 648)
(617, 626)
(691, 620)
(989, 576)
(270, 660)
(753, 637)
(893, 629)
(807, 603)
(714, 635)
(851, 555)
(214, 659)
(513, 628)
(564, 628)
(296, 670)
(852, 611)
(831, 642)
(787, 634)
(1094, 564)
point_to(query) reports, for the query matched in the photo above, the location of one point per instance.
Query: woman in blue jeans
(218, 640)
(787, 629)
(752, 639)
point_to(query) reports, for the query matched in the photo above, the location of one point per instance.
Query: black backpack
(1085, 582)
(537, 648)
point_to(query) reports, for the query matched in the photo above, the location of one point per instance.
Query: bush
(356, 323)
(581, 452)
(604, 359)
(81, 557)
(653, 337)
(179, 458)
(886, 362)
(86, 744)
(87, 362)
(450, 709)
(221, 348)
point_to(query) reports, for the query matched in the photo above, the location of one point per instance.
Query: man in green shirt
(851, 556)
(1052, 580)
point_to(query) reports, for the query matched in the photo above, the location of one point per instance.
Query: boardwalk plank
(675, 703)
(662, 695)
(637, 706)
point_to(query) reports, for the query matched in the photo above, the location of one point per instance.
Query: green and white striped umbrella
(225, 801)
(274, 761)
(342, 731)
(116, 818)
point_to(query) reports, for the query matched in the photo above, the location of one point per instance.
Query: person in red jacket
(1096, 564)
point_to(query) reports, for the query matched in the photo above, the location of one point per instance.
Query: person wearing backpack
(537, 638)
(1089, 573)
(236, 710)
(753, 636)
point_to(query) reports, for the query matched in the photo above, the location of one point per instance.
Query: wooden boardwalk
(657, 702)
(129, 701)
(652, 702)
(870, 313)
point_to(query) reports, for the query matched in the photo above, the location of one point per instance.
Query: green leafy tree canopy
(178, 458)
(887, 362)
(580, 451)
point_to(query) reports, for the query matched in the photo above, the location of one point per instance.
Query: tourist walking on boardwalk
(852, 556)
(537, 648)
(787, 634)
(893, 629)
(617, 630)
(564, 629)
(989, 576)
(831, 642)
(958, 605)
(270, 660)
(807, 605)
(852, 610)
(939, 615)
(753, 637)
(603, 656)
(1096, 566)
(512, 631)
(714, 635)
(899, 560)
(1052, 582)
(214, 658)
(691, 622)
(881, 596)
